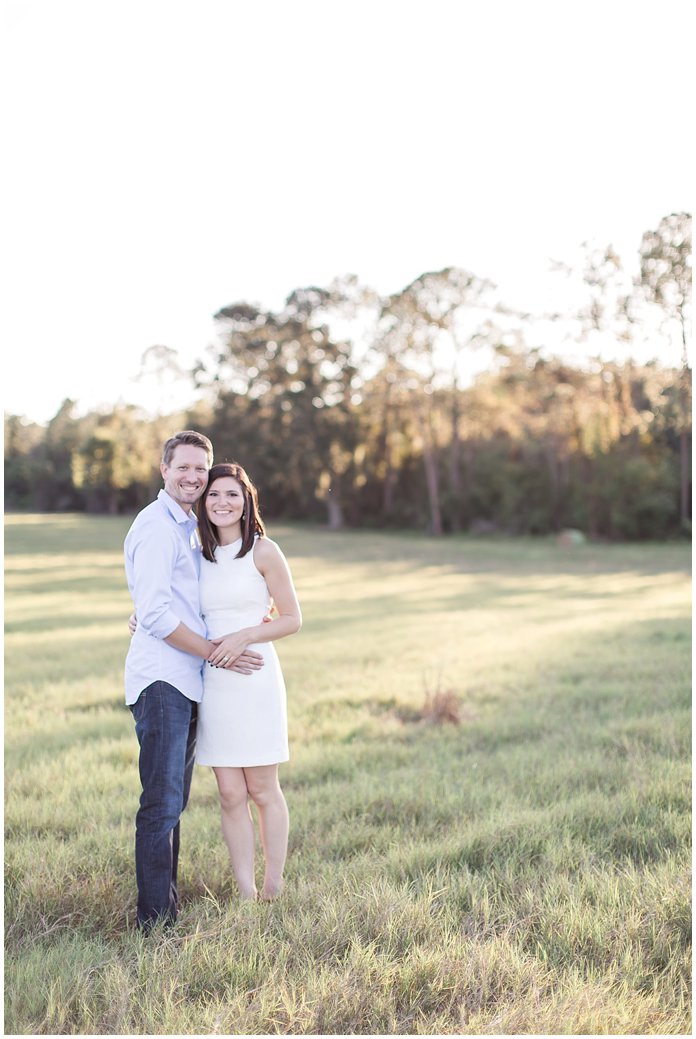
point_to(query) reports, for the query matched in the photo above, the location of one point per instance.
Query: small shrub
(442, 707)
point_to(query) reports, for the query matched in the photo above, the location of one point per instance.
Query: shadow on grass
(76, 622)
(99, 723)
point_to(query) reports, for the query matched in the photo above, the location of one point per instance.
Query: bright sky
(165, 158)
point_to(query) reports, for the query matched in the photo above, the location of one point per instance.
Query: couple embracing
(203, 680)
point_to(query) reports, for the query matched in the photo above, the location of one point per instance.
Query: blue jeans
(165, 724)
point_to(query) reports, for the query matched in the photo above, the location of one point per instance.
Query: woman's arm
(272, 565)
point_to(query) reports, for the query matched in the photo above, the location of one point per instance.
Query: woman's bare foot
(271, 890)
(250, 895)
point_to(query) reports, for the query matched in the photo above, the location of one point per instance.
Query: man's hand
(246, 663)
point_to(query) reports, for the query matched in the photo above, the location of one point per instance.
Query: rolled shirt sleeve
(154, 559)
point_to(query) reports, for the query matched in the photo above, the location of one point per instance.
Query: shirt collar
(175, 510)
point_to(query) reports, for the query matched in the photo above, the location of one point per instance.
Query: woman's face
(224, 502)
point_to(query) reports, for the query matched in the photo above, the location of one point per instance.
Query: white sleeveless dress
(242, 719)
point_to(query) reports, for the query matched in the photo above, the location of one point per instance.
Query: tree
(63, 435)
(665, 270)
(407, 340)
(24, 472)
(291, 380)
(665, 280)
(163, 377)
(426, 328)
(115, 463)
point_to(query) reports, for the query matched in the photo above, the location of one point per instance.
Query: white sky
(163, 159)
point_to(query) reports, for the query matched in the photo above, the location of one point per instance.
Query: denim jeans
(165, 724)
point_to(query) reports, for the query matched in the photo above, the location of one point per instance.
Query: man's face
(186, 475)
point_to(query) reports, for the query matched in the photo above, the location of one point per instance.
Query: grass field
(525, 870)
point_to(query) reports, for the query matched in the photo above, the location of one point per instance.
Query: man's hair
(186, 436)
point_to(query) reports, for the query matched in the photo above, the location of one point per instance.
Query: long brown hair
(252, 523)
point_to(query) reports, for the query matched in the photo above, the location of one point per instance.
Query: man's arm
(183, 638)
(152, 560)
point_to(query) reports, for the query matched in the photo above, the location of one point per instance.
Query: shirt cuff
(164, 626)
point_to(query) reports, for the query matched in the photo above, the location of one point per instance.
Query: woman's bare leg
(237, 827)
(264, 790)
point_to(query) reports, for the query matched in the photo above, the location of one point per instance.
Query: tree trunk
(335, 513)
(588, 478)
(389, 485)
(455, 462)
(388, 490)
(431, 479)
(333, 503)
(685, 475)
(685, 431)
(553, 464)
(433, 492)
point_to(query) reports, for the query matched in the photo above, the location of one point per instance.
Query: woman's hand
(228, 648)
(132, 623)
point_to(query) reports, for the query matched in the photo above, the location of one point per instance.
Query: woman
(242, 720)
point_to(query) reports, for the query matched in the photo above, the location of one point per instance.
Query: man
(163, 667)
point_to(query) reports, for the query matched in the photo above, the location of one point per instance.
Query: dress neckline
(231, 543)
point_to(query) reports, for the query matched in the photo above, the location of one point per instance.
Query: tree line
(351, 408)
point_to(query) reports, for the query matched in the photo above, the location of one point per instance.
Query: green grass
(523, 871)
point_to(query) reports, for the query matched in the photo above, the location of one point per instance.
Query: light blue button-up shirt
(163, 559)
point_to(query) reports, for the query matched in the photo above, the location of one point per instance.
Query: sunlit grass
(525, 870)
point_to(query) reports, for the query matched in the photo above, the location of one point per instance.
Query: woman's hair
(252, 523)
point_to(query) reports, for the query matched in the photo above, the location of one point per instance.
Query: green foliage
(525, 464)
(22, 468)
(342, 409)
(114, 463)
(525, 871)
(640, 500)
(286, 409)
